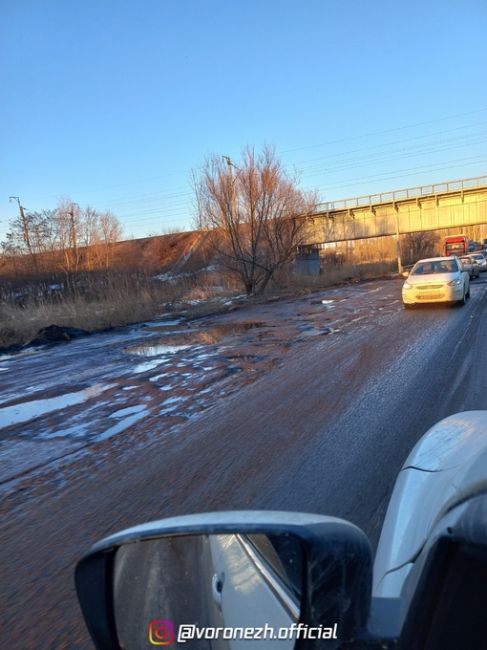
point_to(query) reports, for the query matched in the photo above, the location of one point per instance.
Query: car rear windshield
(455, 246)
(429, 268)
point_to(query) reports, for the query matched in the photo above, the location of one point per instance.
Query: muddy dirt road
(309, 404)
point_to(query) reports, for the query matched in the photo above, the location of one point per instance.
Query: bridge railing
(401, 195)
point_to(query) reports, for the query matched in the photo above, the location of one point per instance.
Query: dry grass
(97, 305)
(334, 274)
(103, 302)
(20, 324)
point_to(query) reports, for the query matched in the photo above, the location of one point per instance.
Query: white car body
(447, 465)
(433, 284)
(252, 594)
(480, 259)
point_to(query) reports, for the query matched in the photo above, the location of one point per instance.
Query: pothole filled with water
(177, 341)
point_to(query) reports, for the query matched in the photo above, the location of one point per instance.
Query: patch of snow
(122, 425)
(171, 405)
(129, 410)
(164, 277)
(157, 377)
(16, 355)
(173, 400)
(163, 321)
(33, 409)
(75, 431)
(147, 365)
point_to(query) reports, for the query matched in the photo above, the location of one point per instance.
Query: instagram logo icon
(161, 632)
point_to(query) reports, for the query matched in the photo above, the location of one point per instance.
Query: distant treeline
(70, 240)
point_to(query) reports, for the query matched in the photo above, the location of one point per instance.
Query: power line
(383, 145)
(184, 207)
(357, 164)
(414, 170)
(123, 200)
(378, 160)
(356, 181)
(373, 133)
(171, 191)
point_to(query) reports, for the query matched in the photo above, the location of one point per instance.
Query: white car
(471, 265)
(437, 279)
(480, 259)
(446, 468)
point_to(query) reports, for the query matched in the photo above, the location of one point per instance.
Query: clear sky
(112, 103)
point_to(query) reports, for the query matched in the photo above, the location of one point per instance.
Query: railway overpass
(367, 228)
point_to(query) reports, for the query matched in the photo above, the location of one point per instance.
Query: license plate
(429, 296)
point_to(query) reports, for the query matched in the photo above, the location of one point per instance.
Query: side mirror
(405, 274)
(222, 579)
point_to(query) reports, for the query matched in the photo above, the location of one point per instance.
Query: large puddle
(177, 341)
(157, 349)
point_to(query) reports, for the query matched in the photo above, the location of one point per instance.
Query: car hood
(433, 278)
(447, 464)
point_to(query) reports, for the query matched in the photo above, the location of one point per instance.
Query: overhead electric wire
(347, 139)
(171, 202)
(423, 148)
(375, 161)
(184, 208)
(374, 133)
(414, 170)
(400, 150)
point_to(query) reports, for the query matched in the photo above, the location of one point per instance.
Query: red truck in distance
(457, 245)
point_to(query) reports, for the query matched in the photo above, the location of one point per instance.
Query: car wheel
(463, 301)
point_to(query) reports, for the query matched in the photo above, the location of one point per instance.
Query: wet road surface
(321, 423)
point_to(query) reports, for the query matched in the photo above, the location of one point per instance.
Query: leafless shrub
(254, 214)
(417, 245)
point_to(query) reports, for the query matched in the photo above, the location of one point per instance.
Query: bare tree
(68, 234)
(110, 232)
(29, 236)
(417, 245)
(67, 238)
(90, 237)
(255, 215)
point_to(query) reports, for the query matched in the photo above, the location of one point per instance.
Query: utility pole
(398, 241)
(24, 223)
(73, 236)
(232, 187)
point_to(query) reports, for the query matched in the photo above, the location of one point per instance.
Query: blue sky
(113, 103)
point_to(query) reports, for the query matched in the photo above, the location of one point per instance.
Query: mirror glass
(209, 591)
